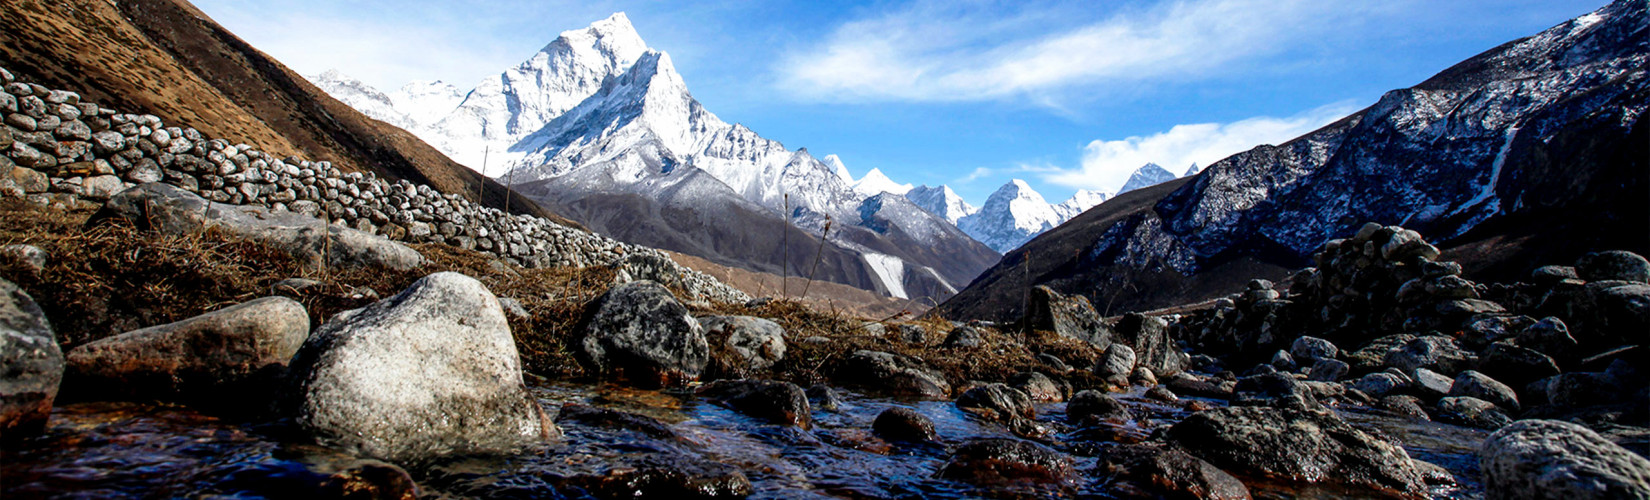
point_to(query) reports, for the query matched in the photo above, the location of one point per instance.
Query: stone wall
(63, 152)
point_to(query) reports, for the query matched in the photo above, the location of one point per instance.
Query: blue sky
(1065, 95)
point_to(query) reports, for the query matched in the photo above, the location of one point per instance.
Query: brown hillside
(167, 58)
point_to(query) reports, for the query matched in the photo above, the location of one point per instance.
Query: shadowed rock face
(429, 372)
(1298, 446)
(1541, 459)
(639, 333)
(31, 364)
(1525, 154)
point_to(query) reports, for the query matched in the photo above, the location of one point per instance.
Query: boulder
(1328, 370)
(1471, 412)
(823, 397)
(1550, 336)
(1378, 384)
(892, 374)
(1439, 354)
(1404, 405)
(1146, 471)
(963, 336)
(1002, 460)
(1549, 459)
(618, 420)
(1516, 365)
(1116, 364)
(1277, 390)
(31, 364)
(743, 344)
(1430, 384)
(638, 332)
(1297, 446)
(781, 403)
(904, 424)
(912, 334)
(1202, 386)
(172, 210)
(1622, 314)
(429, 372)
(1575, 390)
(221, 357)
(1481, 386)
(1070, 317)
(1040, 387)
(997, 403)
(1308, 350)
(1613, 265)
(1153, 347)
(1089, 406)
(1372, 355)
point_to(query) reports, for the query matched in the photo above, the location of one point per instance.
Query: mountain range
(1532, 152)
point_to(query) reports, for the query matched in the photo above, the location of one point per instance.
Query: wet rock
(1153, 346)
(1549, 459)
(1145, 471)
(614, 419)
(1040, 387)
(24, 258)
(1143, 376)
(1276, 390)
(963, 336)
(220, 357)
(1516, 365)
(1297, 446)
(1378, 384)
(429, 372)
(1070, 317)
(824, 397)
(639, 333)
(781, 403)
(661, 476)
(31, 364)
(743, 344)
(1613, 265)
(171, 210)
(997, 403)
(1405, 405)
(1308, 350)
(1001, 460)
(1472, 412)
(1328, 370)
(904, 424)
(1116, 364)
(1200, 386)
(1439, 354)
(1163, 394)
(1089, 406)
(892, 374)
(1481, 386)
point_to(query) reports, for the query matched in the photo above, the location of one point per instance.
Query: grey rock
(1549, 459)
(1613, 265)
(28, 258)
(429, 372)
(30, 181)
(1297, 446)
(1575, 390)
(1431, 384)
(1481, 386)
(781, 403)
(1039, 387)
(1054, 363)
(1089, 406)
(216, 357)
(963, 337)
(639, 333)
(1515, 365)
(1070, 317)
(101, 187)
(1003, 460)
(1328, 370)
(1440, 354)
(1471, 412)
(912, 334)
(107, 142)
(31, 364)
(1153, 347)
(1277, 390)
(742, 344)
(1378, 384)
(1308, 350)
(892, 374)
(997, 403)
(513, 308)
(1404, 405)
(1165, 472)
(1116, 364)
(1550, 336)
(171, 210)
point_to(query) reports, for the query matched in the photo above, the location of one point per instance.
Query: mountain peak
(840, 169)
(875, 182)
(1149, 174)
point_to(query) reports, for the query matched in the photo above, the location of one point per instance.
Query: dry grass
(105, 280)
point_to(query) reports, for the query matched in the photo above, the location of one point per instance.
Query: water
(129, 450)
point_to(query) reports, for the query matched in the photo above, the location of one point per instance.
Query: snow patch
(889, 269)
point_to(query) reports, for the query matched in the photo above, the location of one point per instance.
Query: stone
(638, 332)
(1090, 406)
(1550, 336)
(432, 371)
(1552, 275)
(1549, 459)
(1471, 412)
(1297, 446)
(1481, 386)
(1040, 387)
(216, 358)
(1200, 386)
(171, 210)
(24, 258)
(1152, 344)
(1440, 354)
(781, 403)
(1404, 405)
(1116, 364)
(101, 187)
(1054, 363)
(1283, 361)
(1071, 317)
(30, 181)
(963, 337)
(1308, 350)
(892, 374)
(1277, 390)
(1378, 384)
(997, 403)
(1515, 365)
(293, 287)
(912, 334)
(824, 397)
(1575, 390)
(617, 420)
(107, 142)
(904, 424)
(743, 344)
(1622, 314)
(1143, 376)
(1147, 471)
(31, 364)
(1003, 460)
(1613, 265)
(1430, 384)
(1372, 355)
(514, 309)
(1163, 394)
(1328, 370)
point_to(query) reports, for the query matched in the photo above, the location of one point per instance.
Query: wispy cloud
(983, 172)
(947, 52)
(1107, 164)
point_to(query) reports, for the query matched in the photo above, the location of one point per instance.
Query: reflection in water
(128, 450)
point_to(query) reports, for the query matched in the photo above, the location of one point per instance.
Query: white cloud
(941, 52)
(1108, 164)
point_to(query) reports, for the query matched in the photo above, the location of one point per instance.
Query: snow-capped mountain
(1150, 174)
(364, 98)
(597, 118)
(1193, 170)
(1080, 201)
(940, 201)
(875, 183)
(1010, 217)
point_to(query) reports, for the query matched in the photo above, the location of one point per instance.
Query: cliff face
(166, 58)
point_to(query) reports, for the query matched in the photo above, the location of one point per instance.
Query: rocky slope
(166, 58)
(1521, 154)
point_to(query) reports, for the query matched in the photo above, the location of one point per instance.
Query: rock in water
(1549, 459)
(215, 357)
(892, 374)
(781, 403)
(1000, 460)
(904, 424)
(742, 344)
(1299, 446)
(429, 372)
(638, 332)
(31, 364)
(1143, 471)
